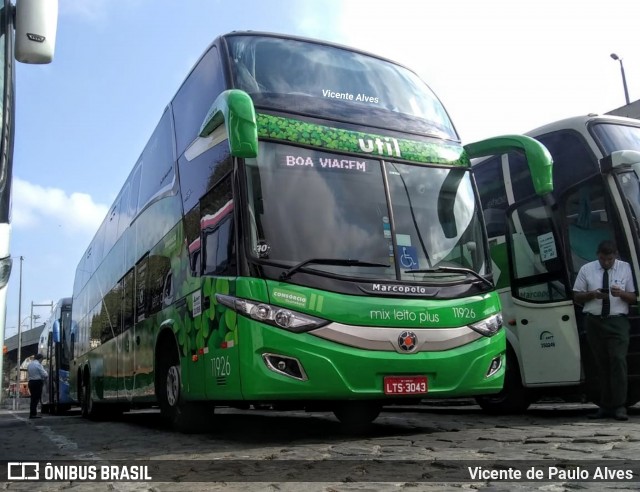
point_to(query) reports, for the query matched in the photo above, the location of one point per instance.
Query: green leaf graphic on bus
(300, 132)
(214, 327)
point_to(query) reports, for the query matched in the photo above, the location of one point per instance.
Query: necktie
(606, 305)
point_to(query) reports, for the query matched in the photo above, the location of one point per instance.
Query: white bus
(538, 244)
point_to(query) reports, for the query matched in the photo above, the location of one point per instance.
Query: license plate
(405, 385)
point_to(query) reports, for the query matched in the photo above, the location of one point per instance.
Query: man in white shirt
(37, 375)
(605, 289)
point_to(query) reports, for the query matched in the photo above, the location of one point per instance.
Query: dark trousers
(35, 388)
(609, 342)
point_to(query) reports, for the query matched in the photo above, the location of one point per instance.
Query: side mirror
(538, 157)
(36, 26)
(621, 158)
(231, 117)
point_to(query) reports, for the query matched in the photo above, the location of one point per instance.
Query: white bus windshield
(614, 137)
(335, 83)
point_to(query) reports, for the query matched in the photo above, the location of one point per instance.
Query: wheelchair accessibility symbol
(408, 257)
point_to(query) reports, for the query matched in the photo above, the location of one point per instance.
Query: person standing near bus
(37, 375)
(605, 288)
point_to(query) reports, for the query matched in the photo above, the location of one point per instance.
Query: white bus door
(541, 314)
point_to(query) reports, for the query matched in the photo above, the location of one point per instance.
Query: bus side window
(128, 301)
(218, 247)
(587, 219)
(158, 271)
(142, 290)
(194, 260)
(216, 223)
(113, 312)
(493, 196)
(192, 233)
(194, 98)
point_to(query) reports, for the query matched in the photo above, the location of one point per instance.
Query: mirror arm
(538, 157)
(234, 108)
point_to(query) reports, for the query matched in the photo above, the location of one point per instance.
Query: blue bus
(55, 345)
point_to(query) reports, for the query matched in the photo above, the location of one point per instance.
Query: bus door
(618, 218)
(55, 376)
(49, 365)
(543, 317)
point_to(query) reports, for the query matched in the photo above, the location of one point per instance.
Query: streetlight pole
(36, 316)
(17, 392)
(624, 78)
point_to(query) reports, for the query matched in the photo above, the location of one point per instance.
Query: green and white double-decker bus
(302, 228)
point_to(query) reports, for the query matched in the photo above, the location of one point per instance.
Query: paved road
(429, 447)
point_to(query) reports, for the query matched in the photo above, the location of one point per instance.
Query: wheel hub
(173, 385)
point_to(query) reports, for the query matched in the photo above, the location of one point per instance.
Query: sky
(498, 66)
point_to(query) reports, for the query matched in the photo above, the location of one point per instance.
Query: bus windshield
(306, 204)
(614, 137)
(335, 83)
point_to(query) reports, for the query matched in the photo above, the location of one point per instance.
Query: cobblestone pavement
(452, 437)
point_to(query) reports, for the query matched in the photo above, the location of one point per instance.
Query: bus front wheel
(169, 382)
(188, 417)
(89, 408)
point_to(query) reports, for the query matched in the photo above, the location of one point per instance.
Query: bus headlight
(272, 315)
(489, 326)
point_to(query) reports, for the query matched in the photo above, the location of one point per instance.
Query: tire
(513, 398)
(356, 417)
(187, 417)
(89, 408)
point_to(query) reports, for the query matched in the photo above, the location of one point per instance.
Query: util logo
(389, 146)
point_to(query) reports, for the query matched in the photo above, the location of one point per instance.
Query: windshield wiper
(452, 270)
(329, 261)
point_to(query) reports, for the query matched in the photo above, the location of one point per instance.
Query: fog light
(495, 366)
